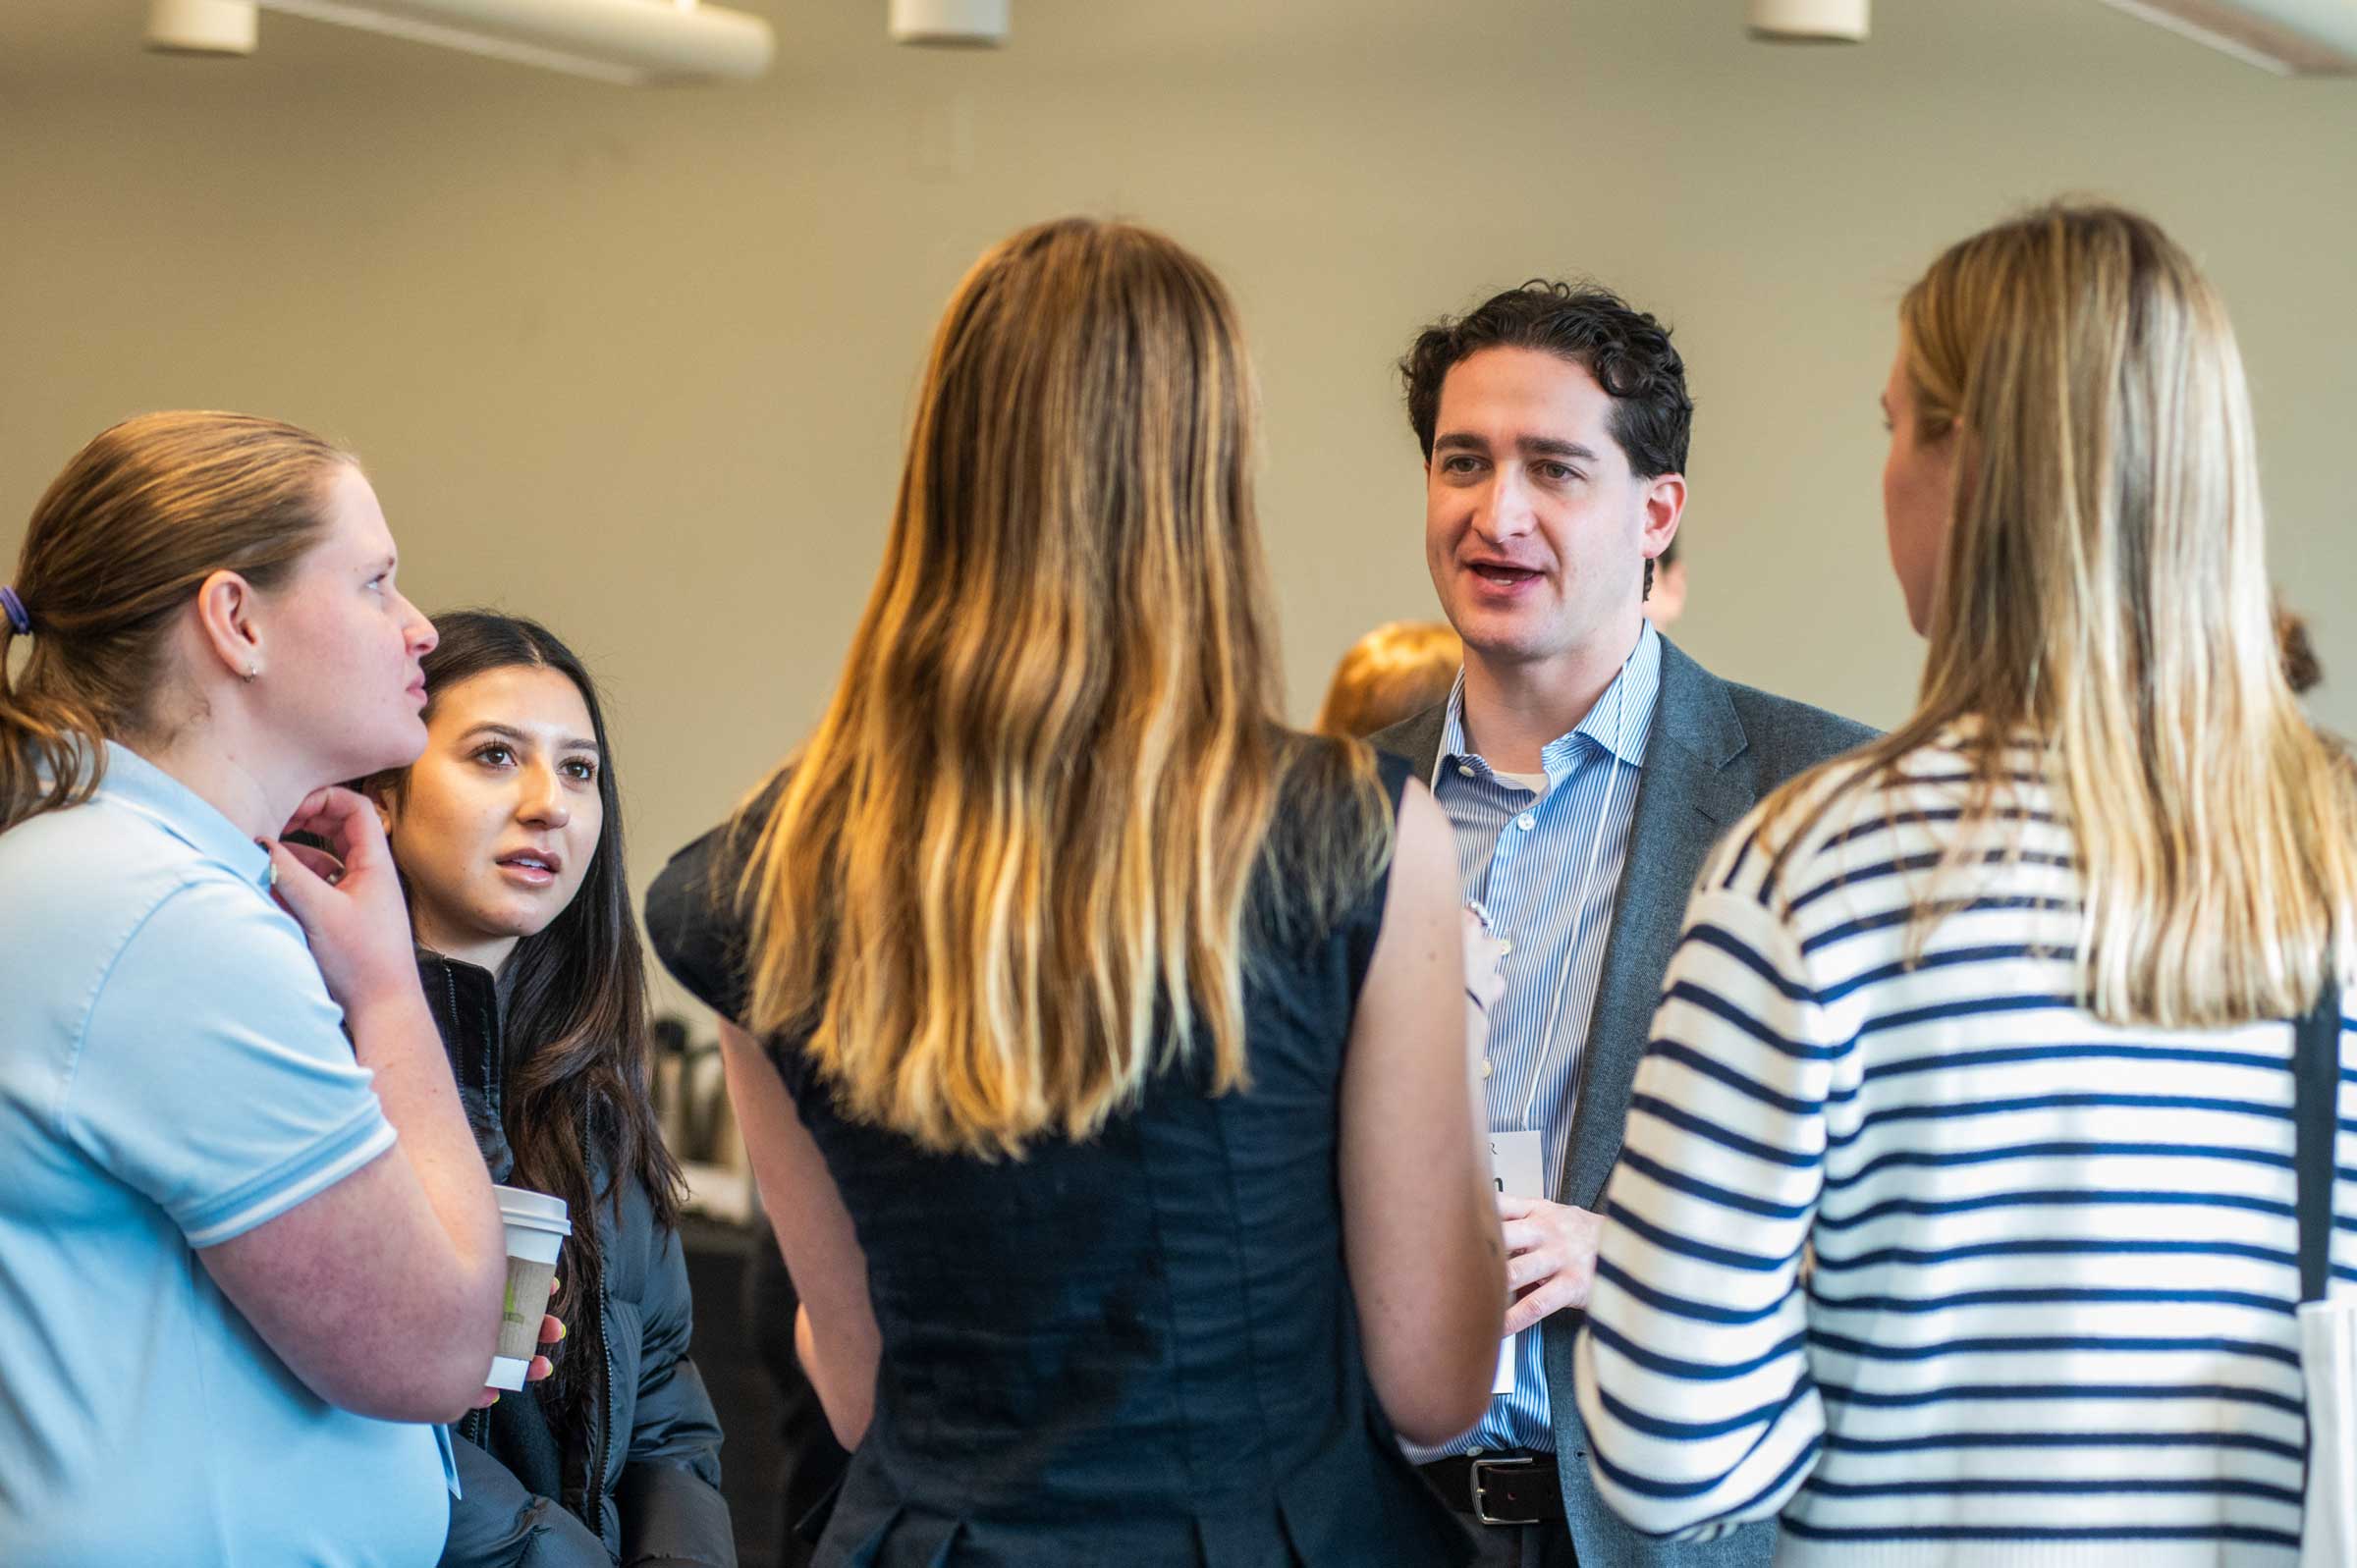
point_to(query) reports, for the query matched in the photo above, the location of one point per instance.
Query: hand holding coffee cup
(552, 1331)
(537, 1227)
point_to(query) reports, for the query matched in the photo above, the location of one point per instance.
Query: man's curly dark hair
(1626, 350)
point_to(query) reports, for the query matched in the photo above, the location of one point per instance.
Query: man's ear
(1664, 504)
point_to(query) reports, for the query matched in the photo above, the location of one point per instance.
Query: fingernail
(562, 1332)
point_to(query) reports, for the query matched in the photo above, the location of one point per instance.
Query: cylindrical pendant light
(1808, 20)
(202, 27)
(969, 24)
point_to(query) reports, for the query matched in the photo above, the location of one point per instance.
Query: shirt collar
(134, 782)
(1620, 722)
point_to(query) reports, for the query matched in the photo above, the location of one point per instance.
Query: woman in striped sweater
(1988, 1017)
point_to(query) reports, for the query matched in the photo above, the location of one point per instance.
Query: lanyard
(1587, 877)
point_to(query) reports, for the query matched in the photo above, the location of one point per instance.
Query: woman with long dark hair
(507, 832)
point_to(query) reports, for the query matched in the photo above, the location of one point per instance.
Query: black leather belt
(1507, 1489)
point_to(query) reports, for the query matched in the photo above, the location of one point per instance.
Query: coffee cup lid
(523, 1206)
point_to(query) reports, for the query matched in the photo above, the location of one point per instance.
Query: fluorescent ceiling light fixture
(2290, 37)
(625, 42)
(969, 24)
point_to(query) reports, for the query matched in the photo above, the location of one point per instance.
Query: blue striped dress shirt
(1547, 867)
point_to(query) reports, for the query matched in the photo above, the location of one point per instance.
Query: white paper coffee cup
(536, 1229)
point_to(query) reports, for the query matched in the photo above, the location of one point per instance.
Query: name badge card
(1517, 1165)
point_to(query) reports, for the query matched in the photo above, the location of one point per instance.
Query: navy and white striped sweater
(2050, 1319)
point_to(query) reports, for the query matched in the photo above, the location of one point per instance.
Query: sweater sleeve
(1692, 1372)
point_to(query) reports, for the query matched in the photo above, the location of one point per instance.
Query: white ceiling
(93, 46)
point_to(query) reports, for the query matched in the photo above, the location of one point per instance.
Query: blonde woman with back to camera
(1116, 1111)
(1992, 1014)
(230, 1294)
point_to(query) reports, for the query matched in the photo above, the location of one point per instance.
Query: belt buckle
(1473, 1484)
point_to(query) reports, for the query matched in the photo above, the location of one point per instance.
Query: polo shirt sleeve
(213, 1074)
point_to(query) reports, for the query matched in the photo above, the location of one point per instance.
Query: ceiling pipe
(628, 43)
(2290, 37)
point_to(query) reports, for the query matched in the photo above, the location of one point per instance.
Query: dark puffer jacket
(641, 1488)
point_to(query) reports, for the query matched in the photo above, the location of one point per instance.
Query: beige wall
(637, 362)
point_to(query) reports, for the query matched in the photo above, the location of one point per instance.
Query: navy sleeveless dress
(1131, 1352)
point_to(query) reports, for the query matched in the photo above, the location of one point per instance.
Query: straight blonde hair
(2104, 591)
(1015, 855)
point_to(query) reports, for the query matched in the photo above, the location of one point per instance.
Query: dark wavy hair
(1626, 350)
(577, 1018)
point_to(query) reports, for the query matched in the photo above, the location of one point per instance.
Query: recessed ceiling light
(957, 24)
(202, 27)
(1808, 20)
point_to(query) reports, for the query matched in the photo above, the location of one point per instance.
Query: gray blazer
(1715, 750)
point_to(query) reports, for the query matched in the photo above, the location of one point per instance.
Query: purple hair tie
(18, 617)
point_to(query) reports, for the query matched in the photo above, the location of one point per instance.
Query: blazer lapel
(1690, 794)
(1416, 738)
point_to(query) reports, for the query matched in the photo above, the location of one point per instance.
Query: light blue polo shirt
(173, 1073)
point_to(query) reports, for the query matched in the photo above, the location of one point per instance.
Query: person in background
(508, 835)
(247, 1255)
(1399, 668)
(2303, 672)
(1992, 1016)
(1115, 1116)
(1666, 599)
(1587, 766)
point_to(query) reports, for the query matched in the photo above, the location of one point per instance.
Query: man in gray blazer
(1587, 766)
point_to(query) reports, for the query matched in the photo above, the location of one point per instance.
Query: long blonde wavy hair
(1017, 853)
(2103, 588)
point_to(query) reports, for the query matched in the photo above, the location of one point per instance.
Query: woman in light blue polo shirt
(244, 1258)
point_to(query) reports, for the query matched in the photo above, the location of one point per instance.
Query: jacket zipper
(605, 1344)
(471, 1428)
